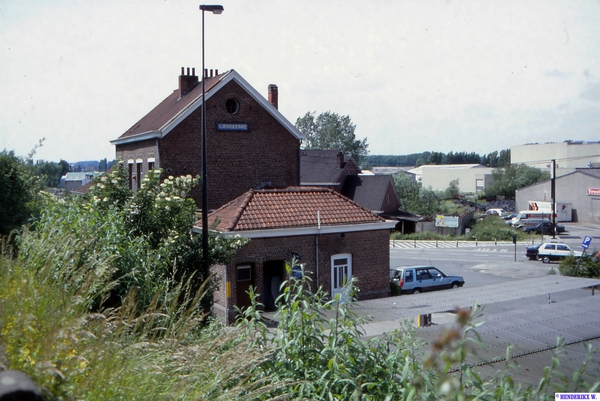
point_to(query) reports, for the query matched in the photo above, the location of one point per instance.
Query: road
(530, 321)
(488, 262)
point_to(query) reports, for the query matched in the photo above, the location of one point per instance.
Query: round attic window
(232, 106)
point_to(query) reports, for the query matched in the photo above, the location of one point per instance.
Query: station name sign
(232, 127)
(593, 191)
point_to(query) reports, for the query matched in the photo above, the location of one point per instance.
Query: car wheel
(546, 259)
(416, 291)
(455, 286)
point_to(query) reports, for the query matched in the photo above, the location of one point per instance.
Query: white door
(341, 273)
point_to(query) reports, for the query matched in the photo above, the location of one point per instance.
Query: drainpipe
(317, 246)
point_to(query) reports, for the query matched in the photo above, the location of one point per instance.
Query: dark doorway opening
(273, 277)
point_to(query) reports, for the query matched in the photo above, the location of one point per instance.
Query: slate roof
(171, 111)
(320, 166)
(172, 106)
(294, 207)
(367, 190)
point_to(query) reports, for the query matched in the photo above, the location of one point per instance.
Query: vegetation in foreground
(164, 352)
(154, 341)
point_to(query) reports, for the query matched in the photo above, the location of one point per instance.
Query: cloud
(556, 73)
(591, 92)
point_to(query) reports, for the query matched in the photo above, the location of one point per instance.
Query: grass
(48, 332)
(52, 330)
(489, 228)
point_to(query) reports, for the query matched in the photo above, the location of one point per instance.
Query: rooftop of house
(322, 167)
(187, 98)
(367, 190)
(293, 207)
(181, 98)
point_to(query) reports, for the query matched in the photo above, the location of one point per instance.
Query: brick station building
(249, 143)
(253, 157)
(332, 236)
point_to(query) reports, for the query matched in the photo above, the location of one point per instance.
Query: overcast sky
(413, 75)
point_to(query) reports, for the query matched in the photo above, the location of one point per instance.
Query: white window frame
(341, 274)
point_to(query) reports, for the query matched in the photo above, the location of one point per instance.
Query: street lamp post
(215, 9)
(553, 195)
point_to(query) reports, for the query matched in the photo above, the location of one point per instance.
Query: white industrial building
(568, 155)
(580, 189)
(472, 178)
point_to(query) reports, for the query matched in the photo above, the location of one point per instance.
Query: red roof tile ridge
(247, 198)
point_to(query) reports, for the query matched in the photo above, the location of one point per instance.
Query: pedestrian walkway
(414, 244)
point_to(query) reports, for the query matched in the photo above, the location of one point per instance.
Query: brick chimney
(187, 82)
(340, 160)
(274, 95)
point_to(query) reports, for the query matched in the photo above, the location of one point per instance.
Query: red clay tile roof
(288, 208)
(170, 107)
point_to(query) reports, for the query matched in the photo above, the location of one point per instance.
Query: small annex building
(327, 168)
(249, 143)
(333, 236)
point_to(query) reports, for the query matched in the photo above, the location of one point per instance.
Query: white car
(555, 251)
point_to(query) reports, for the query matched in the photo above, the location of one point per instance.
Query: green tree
(331, 131)
(103, 165)
(435, 158)
(64, 167)
(408, 190)
(429, 202)
(504, 158)
(452, 191)
(512, 177)
(147, 235)
(19, 189)
(415, 198)
(49, 172)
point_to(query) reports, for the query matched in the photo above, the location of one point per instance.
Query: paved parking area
(388, 312)
(524, 314)
(533, 332)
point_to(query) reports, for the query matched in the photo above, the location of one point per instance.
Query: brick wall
(143, 151)
(370, 263)
(236, 161)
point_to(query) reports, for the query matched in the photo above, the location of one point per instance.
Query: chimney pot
(187, 82)
(274, 95)
(216, 72)
(193, 71)
(340, 159)
(205, 73)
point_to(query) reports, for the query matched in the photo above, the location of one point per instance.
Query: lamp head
(213, 8)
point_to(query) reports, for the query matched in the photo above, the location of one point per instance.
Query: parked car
(416, 279)
(544, 227)
(531, 251)
(508, 218)
(549, 251)
(496, 212)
